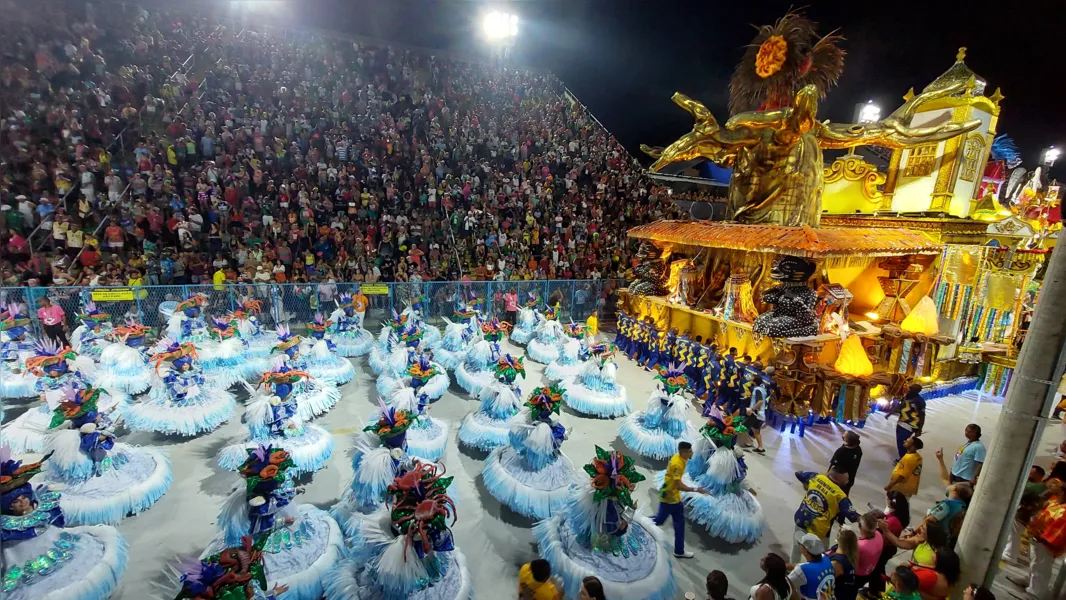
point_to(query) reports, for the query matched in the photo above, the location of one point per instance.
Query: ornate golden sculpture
(776, 155)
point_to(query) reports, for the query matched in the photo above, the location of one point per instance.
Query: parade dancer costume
(378, 457)
(569, 361)
(103, 480)
(224, 357)
(386, 344)
(186, 324)
(347, 329)
(406, 362)
(56, 370)
(271, 419)
(594, 390)
(544, 347)
(488, 428)
(236, 573)
(42, 558)
(530, 475)
(91, 337)
(303, 543)
(729, 510)
(475, 372)
(124, 363)
(183, 401)
(458, 338)
(405, 550)
(656, 431)
(314, 396)
(320, 355)
(431, 336)
(427, 437)
(16, 345)
(260, 342)
(599, 532)
(528, 319)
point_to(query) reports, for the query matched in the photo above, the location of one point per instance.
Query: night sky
(624, 58)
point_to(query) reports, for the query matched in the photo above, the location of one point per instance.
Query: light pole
(500, 30)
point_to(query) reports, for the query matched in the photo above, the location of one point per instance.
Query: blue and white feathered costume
(431, 336)
(530, 475)
(600, 531)
(183, 402)
(458, 338)
(417, 369)
(56, 369)
(528, 319)
(186, 323)
(476, 369)
(347, 328)
(729, 510)
(224, 357)
(315, 396)
(379, 456)
(320, 356)
(545, 345)
(656, 431)
(572, 352)
(594, 390)
(427, 437)
(259, 342)
(16, 345)
(304, 542)
(91, 337)
(405, 550)
(103, 481)
(42, 558)
(489, 427)
(124, 363)
(271, 418)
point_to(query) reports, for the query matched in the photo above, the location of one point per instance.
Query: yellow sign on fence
(372, 289)
(113, 295)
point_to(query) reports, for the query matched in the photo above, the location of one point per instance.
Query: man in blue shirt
(969, 458)
(814, 578)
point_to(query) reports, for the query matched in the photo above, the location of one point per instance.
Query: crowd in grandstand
(283, 162)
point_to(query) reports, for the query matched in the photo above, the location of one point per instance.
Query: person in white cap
(815, 577)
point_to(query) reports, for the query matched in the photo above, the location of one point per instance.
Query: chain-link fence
(296, 304)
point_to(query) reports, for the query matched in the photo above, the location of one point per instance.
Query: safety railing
(296, 304)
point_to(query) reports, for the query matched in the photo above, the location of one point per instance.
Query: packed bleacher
(128, 164)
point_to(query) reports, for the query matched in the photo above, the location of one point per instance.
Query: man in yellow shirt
(359, 304)
(908, 472)
(535, 583)
(592, 325)
(670, 505)
(219, 278)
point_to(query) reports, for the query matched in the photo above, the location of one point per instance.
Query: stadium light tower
(500, 30)
(868, 113)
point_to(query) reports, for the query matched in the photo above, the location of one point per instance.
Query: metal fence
(296, 304)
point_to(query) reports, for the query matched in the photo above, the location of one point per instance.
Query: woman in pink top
(870, 546)
(510, 300)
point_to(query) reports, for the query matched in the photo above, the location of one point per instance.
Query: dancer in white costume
(601, 532)
(234, 573)
(91, 337)
(103, 481)
(475, 371)
(414, 312)
(43, 559)
(347, 329)
(489, 427)
(16, 345)
(315, 396)
(183, 401)
(224, 357)
(530, 475)
(259, 342)
(186, 323)
(124, 362)
(56, 370)
(410, 365)
(271, 419)
(303, 542)
(405, 550)
(548, 337)
(427, 437)
(656, 431)
(320, 354)
(528, 319)
(458, 338)
(595, 389)
(570, 359)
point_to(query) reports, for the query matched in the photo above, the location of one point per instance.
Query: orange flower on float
(279, 457)
(771, 56)
(268, 472)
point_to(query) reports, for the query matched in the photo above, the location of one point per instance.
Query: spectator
(670, 505)
(911, 417)
(821, 504)
(1047, 535)
(510, 301)
(907, 474)
(976, 592)
(756, 412)
(968, 459)
(775, 584)
(535, 582)
(904, 584)
(847, 459)
(592, 589)
(717, 586)
(871, 547)
(844, 557)
(949, 512)
(937, 582)
(53, 320)
(1032, 503)
(924, 541)
(813, 578)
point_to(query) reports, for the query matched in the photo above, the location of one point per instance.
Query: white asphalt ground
(496, 541)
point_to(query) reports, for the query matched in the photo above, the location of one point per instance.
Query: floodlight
(1051, 155)
(498, 26)
(870, 113)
